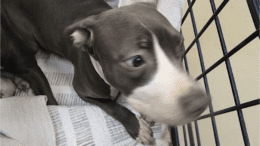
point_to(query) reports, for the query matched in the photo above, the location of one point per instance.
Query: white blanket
(25, 121)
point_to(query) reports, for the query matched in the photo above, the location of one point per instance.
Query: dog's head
(140, 53)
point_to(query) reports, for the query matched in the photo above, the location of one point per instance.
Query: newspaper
(89, 125)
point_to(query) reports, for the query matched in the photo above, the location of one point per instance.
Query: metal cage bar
(190, 132)
(223, 4)
(184, 135)
(231, 77)
(175, 136)
(188, 11)
(233, 108)
(203, 69)
(253, 6)
(195, 122)
(197, 132)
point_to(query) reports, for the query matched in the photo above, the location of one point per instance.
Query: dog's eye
(136, 61)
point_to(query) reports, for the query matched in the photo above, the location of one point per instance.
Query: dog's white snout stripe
(159, 100)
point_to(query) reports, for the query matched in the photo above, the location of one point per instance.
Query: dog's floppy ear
(82, 35)
(83, 39)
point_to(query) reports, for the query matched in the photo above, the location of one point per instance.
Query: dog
(132, 50)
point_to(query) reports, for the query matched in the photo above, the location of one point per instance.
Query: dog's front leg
(137, 128)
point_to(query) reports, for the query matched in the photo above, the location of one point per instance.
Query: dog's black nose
(194, 101)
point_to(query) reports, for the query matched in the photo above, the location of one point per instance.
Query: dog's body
(132, 49)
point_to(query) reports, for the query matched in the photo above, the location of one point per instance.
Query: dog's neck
(113, 91)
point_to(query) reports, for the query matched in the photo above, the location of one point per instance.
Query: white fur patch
(99, 70)
(159, 99)
(79, 38)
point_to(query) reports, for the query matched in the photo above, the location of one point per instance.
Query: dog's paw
(21, 84)
(148, 121)
(139, 129)
(7, 87)
(145, 135)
